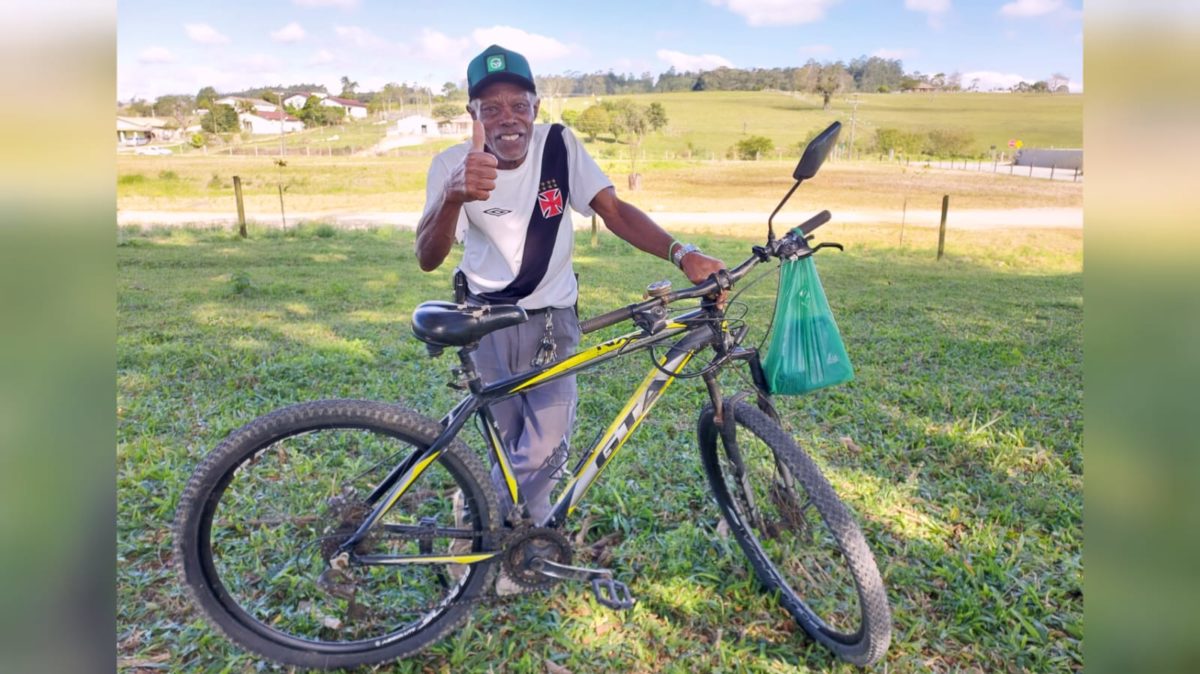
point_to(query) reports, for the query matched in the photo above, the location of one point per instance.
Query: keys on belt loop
(547, 352)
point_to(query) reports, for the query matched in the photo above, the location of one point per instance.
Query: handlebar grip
(814, 222)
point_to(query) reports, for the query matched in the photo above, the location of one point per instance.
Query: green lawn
(963, 459)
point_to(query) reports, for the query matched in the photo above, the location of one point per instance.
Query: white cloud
(359, 37)
(895, 53)
(777, 12)
(533, 46)
(204, 34)
(156, 55)
(933, 8)
(1028, 8)
(293, 32)
(344, 4)
(260, 63)
(435, 46)
(928, 6)
(322, 56)
(692, 62)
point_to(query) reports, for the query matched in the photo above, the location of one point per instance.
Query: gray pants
(535, 426)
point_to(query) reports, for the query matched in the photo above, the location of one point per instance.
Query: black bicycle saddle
(449, 324)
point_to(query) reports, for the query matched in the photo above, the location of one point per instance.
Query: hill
(711, 121)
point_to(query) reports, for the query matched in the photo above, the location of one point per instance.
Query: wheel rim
(777, 522)
(262, 534)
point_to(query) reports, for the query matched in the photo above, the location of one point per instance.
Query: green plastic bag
(806, 350)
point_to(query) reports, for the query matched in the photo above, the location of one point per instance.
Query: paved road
(1071, 218)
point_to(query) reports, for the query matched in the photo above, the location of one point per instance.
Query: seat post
(467, 372)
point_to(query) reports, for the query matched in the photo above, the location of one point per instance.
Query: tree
(445, 112)
(220, 119)
(830, 80)
(754, 146)
(245, 106)
(949, 142)
(593, 121)
(348, 87)
(450, 90)
(900, 142)
(570, 117)
(1058, 83)
(315, 114)
(205, 98)
(656, 115)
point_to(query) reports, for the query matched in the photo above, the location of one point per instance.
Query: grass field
(959, 445)
(709, 121)
(712, 121)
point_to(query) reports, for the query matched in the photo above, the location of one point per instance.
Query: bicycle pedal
(612, 593)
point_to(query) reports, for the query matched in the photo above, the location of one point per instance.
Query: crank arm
(566, 571)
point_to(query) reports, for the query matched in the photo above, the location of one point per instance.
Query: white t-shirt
(493, 231)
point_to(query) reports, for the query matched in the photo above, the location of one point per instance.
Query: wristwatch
(680, 252)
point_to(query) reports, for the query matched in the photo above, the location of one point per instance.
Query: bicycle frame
(696, 334)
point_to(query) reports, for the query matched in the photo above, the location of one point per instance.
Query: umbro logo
(497, 212)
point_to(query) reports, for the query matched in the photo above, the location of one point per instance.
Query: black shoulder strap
(548, 209)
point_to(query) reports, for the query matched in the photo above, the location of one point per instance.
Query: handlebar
(792, 245)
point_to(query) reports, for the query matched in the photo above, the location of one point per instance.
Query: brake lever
(829, 244)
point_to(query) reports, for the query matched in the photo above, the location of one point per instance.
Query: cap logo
(495, 63)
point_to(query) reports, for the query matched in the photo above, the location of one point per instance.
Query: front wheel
(801, 540)
(264, 514)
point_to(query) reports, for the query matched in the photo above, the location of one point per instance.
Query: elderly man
(508, 195)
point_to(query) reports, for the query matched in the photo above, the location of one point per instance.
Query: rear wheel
(801, 540)
(265, 512)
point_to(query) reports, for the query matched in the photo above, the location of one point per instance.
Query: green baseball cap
(497, 64)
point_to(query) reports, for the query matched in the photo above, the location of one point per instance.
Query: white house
(354, 109)
(269, 122)
(298, 99)
(416, 125)
(259, 104)
(142, 130)
(458, 126)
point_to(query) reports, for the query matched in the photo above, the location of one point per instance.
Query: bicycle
(327, 534)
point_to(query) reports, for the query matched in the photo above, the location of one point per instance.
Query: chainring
(523, 544)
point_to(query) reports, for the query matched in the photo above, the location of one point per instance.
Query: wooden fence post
(595, 234)
(942, 227)
(1052, 167)
(903, 219)
(237, 192)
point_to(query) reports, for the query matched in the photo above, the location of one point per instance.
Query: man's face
(507, 112)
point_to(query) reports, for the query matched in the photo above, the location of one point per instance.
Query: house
(142, 130)
(130, 132)
(269, 122)
(923, 87)
(416, 125)
(458, 126)
(354, 109)
(298, 99)
(257, 103)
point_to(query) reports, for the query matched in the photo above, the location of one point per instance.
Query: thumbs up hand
(475, 177)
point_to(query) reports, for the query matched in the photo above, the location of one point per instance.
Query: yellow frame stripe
(444, 559)
(581, 357)
(416, 472)
(505, 469)
(612, 428)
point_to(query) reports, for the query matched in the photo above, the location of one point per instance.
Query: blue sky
(166, 47)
